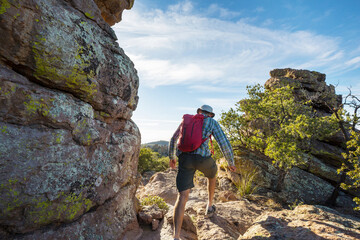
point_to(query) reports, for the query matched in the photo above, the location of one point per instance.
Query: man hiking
(200, 159)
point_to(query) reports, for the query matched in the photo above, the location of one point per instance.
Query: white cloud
(259, 10)
(184, 7)
(151, 134)
(267, 22)
(323, 16)
(217, 89)
(180, 46)
(344, 90)
(353, 61)
(156, 129)
(151, 122)
(216, 10)
(165, 72)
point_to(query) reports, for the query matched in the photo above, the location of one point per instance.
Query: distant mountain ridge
(161, 143)
(160, 147)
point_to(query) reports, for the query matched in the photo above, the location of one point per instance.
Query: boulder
(305, 187)
(328, 153)
(162, 184)
(304, 222)
(93, 69)
(308, 85)
(227, 196)
(151, 215)
(68, 147)
(320, 168)
(268, 176)
(111, 10)
(145, 177)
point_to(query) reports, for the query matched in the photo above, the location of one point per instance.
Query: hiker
(198, 159)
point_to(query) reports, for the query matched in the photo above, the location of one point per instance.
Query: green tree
(348, 121)
(283, 128)
(352, 155)
(277, 124)
(151, 161)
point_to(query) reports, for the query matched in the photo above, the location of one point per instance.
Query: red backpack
(191, 133)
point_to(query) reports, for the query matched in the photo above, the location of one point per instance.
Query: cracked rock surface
(68, 147)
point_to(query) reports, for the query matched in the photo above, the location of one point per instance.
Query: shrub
(246, 184)
(151, 200)
(295, 204)
(150, 161)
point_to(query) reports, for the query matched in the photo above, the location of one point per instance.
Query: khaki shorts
(188, 164)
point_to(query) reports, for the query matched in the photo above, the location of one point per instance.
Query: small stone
(155, 224)
(145, 218)
(226, 196)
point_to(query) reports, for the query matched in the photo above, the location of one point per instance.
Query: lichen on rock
(68, 146)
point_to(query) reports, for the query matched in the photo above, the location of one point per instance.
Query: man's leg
(211, 190)
(208, 166)
(179, 211)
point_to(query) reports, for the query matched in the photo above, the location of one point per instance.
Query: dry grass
(246, 184)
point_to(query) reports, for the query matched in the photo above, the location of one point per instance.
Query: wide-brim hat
(207, 109)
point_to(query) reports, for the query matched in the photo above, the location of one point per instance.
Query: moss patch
(9, 192)
(89, 15)
(3, 129)
(4, 5)
(47, 67)
(16, 15)
(83, 132)
(37, 106)
(7, 89)
(70, 206)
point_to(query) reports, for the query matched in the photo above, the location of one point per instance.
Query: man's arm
(172, 148)
(225, 145)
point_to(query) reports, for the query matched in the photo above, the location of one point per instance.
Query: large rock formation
(313, 182)
(68, 146)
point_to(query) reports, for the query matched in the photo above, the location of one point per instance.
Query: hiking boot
(210, 211)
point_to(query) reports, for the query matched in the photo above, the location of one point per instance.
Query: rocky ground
(253, 217)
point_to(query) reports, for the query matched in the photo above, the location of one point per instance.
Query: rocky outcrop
(304, 222)
(162, 185)
(254, 217)
(314, 181)
(308, 85)
(111, 10)
(68, 146)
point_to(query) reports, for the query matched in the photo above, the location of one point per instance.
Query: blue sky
(194, 52)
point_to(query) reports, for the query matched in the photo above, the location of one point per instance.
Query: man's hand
(172, 163)
(232, 168)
